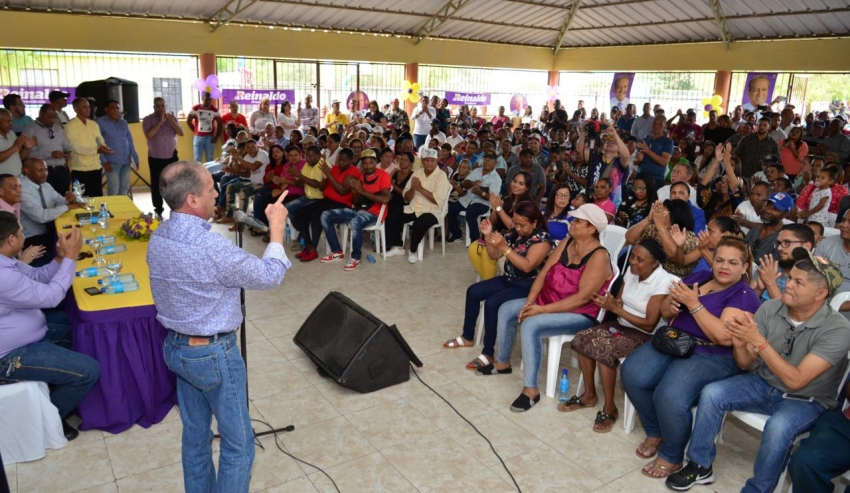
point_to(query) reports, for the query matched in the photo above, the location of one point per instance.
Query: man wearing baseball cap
(426, 194)
(794, 352)
(371, 191)
(435, 133)
(762, 240)
(59, 100)
(479, 184)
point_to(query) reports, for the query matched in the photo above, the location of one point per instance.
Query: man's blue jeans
(356, 220)
(203, 147)
(472, 212)
(749, 392)
(494, 293)
(664, 388)
(211, 381)
(822, 456)
(70, 374)
(118, 180)
(534, 330)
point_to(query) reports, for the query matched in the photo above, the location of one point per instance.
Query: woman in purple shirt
(664, 388)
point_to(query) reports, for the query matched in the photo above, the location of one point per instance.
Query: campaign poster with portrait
(518, 104)
(362, 100)
(758, 90)
(621, 88)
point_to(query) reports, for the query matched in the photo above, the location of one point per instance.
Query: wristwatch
(499, 209)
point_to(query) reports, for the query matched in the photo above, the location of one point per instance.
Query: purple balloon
(708, 107)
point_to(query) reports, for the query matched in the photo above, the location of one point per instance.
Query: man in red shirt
(206, 124)
(234, 116)
(371, 192)
(337, 194)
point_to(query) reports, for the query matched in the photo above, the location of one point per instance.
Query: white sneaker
(413, 258)
(395, 251)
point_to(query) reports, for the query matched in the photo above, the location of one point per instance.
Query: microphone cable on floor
(277, 443)
(470, 424)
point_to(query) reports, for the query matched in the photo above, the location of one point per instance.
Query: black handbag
(672, 341)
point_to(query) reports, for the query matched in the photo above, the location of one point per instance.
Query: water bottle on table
(104, 240)
(564, 386)
(120, 287)
(106, 281)
(103, 216)
(110, 249)
(93, 272)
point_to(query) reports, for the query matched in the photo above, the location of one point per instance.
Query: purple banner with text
(470, 98)
(254, 96)
(35, 95)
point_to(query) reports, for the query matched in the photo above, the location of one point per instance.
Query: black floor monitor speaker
(126, 92)
(354, 347)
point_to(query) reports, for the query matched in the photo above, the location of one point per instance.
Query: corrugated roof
(523, 22)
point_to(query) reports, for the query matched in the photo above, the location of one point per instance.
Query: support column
(554, 80)
(411, 74)
(207, 66)
(722, 88)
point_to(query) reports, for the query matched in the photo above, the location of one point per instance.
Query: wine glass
(114, 266)
(95, 245)
(90, 203)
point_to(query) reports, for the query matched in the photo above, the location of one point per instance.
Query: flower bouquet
(139, 228)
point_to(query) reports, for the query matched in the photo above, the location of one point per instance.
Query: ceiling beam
(569, 20)
(438, 19)
(424, 15)
(720, 20)
(585, 7)
(230, 11)
(728, 18)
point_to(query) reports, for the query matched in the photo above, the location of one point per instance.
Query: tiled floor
(399, 439)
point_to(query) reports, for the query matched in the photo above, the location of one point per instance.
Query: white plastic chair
(827, 231)
(379, 228)
(556, 343)
(839, 300)
(613, 238)
(629, 410)
(759, 421)
(467, 239)
(440, 225)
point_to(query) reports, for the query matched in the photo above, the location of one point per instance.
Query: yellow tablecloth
(133, 259)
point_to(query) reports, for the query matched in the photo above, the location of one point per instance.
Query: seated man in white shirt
(482, 181)
(40, 206)
(681, 173)
(748, 213)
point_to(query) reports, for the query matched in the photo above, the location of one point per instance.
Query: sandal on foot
(573, 404)
(491, 370)
(644, 448)
(267, 239)
(455, 343)
(479, 362)
(524, 403)
(601, 418)
(255, 232)
(665, 471)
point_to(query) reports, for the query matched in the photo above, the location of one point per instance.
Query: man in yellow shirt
(86, 143)
(335, 118)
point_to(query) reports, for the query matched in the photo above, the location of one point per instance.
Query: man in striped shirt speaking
(196, 276)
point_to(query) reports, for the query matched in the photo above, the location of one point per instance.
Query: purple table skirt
(135, 386)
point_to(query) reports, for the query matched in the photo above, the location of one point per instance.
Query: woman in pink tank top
(560, 301)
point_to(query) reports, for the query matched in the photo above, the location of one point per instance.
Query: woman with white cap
(560, 301)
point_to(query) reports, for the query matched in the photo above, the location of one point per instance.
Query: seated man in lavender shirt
(33, 343)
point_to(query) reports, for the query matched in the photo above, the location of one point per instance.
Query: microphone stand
(243, 350)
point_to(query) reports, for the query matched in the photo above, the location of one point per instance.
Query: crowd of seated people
(730, 238)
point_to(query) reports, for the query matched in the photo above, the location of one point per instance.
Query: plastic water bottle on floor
(120, 287)
(564, 386)
(370, 259)
(287, 236)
